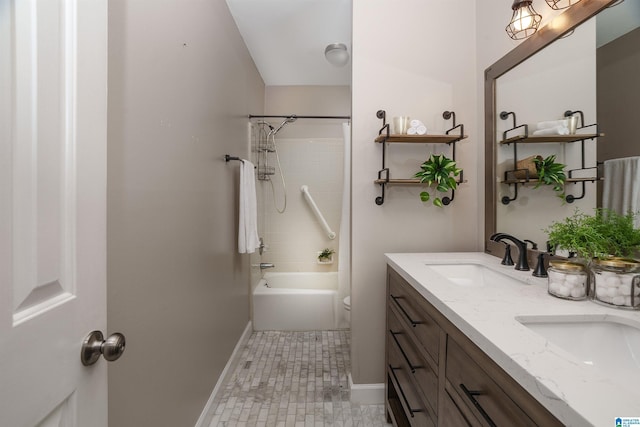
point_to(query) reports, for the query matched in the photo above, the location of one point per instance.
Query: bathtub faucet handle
(265, 265)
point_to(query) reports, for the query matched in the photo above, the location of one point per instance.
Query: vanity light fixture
(525, 20)
(561, 4)
(337, 54)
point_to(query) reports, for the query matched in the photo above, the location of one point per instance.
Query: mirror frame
(557, 28)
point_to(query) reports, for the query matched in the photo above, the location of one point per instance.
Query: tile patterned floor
(294, 379)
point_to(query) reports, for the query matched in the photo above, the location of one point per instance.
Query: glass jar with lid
(568, 280)
(616, 282)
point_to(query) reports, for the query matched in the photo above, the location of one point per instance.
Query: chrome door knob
(94, 345)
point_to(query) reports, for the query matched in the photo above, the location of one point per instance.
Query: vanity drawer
(481, 394)
(414, 409)
(452, 415)
(403, 352)
(414, 314)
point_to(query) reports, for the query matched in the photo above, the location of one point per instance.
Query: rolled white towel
(415, 123)
(557, 130)
(421, 130)
(412, 131)
(552, 124)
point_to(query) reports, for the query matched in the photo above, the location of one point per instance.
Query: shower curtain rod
(251, 116)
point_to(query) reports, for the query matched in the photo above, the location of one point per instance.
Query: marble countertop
(576, 393)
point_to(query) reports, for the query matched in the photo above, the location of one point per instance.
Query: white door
(53, 82)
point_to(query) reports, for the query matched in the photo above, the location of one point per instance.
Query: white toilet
(347, 308)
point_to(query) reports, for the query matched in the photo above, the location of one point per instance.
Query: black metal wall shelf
(525, 138)
(386, 137)
(419, 139)
(568, 180)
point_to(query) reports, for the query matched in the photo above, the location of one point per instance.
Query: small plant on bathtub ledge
(326, 256)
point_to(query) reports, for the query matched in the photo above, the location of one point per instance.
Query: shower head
(289, 119)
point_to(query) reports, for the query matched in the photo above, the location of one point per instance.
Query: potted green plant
(552, 173)
(441, 171)
(326, 256)
(603, 234)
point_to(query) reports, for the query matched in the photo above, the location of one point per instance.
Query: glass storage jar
(616, 282)
(568, 280)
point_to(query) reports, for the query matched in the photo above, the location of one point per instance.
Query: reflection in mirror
(618, 99)
(564, 76)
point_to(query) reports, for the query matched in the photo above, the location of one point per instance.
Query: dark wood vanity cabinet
(437, 377)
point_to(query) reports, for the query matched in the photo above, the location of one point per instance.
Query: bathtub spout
(265, 265)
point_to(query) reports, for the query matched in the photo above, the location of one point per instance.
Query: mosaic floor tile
(292, 379)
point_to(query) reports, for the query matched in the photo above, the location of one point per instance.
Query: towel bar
(228, 158)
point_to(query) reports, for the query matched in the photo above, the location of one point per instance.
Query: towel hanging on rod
(248, 240)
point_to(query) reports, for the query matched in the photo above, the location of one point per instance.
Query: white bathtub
(296, 302)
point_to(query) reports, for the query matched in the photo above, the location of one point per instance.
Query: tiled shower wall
(294, 237)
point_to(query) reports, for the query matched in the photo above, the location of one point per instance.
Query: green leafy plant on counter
(551, 173)
(326, 254)
(441, 172)
(603, 234)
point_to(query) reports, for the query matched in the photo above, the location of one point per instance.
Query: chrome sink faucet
(522, 263)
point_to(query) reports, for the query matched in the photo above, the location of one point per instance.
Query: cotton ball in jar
(602, 293)
(574, 279)
(626, 279)
(600, 281)
(626, 285)
(613, 292)
(554, 276)
(554, 286)
(612, 281)
(619, 300)
(577, 292)
(625, 290)
(608, 300)
(564, 291)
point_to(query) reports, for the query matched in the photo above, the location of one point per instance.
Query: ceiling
(287, 38)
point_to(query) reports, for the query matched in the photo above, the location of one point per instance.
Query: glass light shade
(337, 54)
(525, 20)
(561, 4)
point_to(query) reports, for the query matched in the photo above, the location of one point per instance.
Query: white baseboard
(228, 370)
(366, 394)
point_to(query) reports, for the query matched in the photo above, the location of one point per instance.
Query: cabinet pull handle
(471, 396)
(395, 299)
(413, 368)
(406, 402)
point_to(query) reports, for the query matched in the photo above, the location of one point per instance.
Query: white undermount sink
(605, 343)
(469, 274)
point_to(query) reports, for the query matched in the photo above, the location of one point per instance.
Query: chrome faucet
(522, 264)
(265, 265)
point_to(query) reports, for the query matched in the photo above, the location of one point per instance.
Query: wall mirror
(560, 68)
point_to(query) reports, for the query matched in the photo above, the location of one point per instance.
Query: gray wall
(405, 70)
(181, 83)
(618, 85)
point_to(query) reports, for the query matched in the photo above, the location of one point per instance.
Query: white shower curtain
(344, 246)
